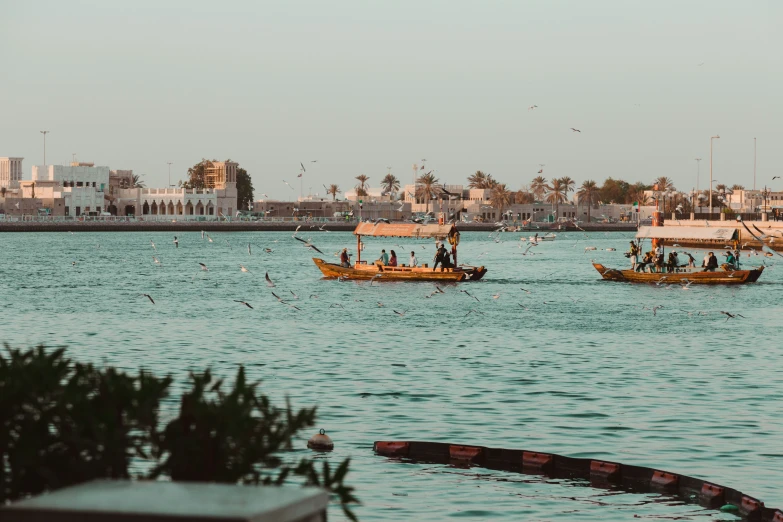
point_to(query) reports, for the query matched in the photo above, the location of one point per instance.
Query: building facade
(10, 172)
(82, 186)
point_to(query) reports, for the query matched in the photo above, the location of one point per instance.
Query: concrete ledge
(152, 501)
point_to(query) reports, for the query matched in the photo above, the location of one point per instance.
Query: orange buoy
(320, 442)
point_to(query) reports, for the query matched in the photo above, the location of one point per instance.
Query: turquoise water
(582, 369)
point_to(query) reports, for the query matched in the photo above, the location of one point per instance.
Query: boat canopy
(717, 233)
(433, 231)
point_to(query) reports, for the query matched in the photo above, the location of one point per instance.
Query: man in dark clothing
(440, 255)
(711, 264)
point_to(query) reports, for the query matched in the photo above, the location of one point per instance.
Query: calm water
(583, 371)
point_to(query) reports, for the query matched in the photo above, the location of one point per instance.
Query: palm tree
(568, 185)
(588, 193)
(390, 184)
(538, 187)
(737, 187)
(137, 182)
(664, 184)
(360, 190)
(500, 197)
(479, 180)
(333, 190)
(425, 188)
(555, 194)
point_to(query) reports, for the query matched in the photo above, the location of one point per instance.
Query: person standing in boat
(345, 259)
(413, 261)
(633, 255)
(392, 259)
(710, 262)
(439, 256)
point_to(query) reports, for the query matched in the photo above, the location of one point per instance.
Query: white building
(81, 185)
(10, 172)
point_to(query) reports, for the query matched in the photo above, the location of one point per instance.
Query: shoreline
(259, 226)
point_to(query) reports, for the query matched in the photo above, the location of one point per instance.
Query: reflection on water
(569, 365)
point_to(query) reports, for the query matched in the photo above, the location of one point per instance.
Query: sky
(363, 86)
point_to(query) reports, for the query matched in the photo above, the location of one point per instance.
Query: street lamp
(711, 138)
(698, 168)
(169, 164)
(44, 134)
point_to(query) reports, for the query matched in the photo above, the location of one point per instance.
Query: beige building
(10, 172)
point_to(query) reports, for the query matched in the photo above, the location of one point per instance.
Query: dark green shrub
(62, 423)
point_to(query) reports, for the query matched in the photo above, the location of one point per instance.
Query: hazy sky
(362, 85)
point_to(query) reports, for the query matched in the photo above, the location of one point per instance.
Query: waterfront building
(82, 186)
(10, 172)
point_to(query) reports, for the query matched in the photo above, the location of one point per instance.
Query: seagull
(532, 107)
(313, 247)
(775, 177)
(244, 303)
(381, 220)
(575, 130)
(268, 250)
(302, 164)
(654, 309)
(473, 312)
(293, 294)
(589, 248)
(202, 234)
(380, 304)
(289, 186)
(277, 297)
(470, 295)
(242, 268)
(204, 267)
(373, 278)
(438, 290)
(269, 282)
(249, 252)
(155, 260)
(399, 313)
(731, 316)
(266, 196)
(336, 304)
(148, 297)
(176, 242)
(313, 161)
(540, 171)
(699, 64)
(525, 290)
(153, 245)
(209, 238)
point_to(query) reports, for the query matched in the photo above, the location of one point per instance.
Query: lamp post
(698, 169)
(169, 164)
(44, 132)
(711, 138)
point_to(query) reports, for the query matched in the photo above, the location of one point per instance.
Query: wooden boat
(725, 276)
(362, 270)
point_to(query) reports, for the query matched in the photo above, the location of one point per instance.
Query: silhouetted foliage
(63, 423)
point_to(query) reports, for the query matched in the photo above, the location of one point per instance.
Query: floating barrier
(601, 474)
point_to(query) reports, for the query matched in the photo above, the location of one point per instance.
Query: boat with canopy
(726, 274)
(363, 270)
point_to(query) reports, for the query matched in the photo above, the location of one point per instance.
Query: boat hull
(394, 273)
(696, 276)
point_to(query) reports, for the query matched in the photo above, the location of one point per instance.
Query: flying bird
(289, 186)
(303, 169)
(209, 238)
(532, 107)
(470, 295)
(313, 247)
(249, 252)
(242, 268)
(148, 297)
(293, 294)
(153, 246)
(731, 316)
(155, 260)
(269, 282)
(244, 303)
(399, 313)
(575, 130)
(373, 278)
(775, 177)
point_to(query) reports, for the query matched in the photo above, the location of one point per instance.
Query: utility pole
(45, 132)
(754, 163)
(711, 138)
(698, 169)
(169, 164)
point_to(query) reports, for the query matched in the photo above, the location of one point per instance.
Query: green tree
(500, 198)
(390, 184)
(425, 188)
(480, 180)
(539, 187)
(588, 194)
(568, 185)
(197, 175)
(555, 194)
(361, 189)
(614, 191)
(137, 182)
(333, 190)
(244, 190)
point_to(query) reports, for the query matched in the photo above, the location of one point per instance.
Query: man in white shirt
(413, 261)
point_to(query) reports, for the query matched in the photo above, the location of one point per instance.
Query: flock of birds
(528, 298)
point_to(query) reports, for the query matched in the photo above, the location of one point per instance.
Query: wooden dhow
(725, 275)
(362, 270)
